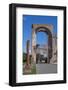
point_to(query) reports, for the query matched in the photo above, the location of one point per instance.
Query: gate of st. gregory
(48, 29)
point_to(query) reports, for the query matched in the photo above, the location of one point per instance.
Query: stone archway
(46, 29)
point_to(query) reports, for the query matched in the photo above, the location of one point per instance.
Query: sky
(41, 38)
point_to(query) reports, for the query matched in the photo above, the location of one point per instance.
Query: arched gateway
(48, 29)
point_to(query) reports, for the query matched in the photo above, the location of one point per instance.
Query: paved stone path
(46, 68)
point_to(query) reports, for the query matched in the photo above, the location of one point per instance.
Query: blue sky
(41, 38)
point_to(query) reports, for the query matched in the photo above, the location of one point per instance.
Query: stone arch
(46, 29)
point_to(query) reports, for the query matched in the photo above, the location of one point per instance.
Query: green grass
(33, 70)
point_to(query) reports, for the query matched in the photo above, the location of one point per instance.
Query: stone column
(27, 48)
(33, 46)
(49, 48)
(54, 57)
(28, 56)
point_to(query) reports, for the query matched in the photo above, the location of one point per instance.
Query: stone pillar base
(28, 66)
(27, 69)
